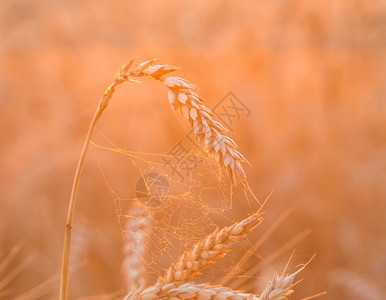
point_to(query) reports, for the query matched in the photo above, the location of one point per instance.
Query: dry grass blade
(41, 290)
(8, 273)
(10, 256)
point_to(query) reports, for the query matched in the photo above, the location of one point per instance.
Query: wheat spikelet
(137, 228)
(206, 252)
(208, 131)
(280, 287)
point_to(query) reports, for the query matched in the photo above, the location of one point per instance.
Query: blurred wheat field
(311, 74)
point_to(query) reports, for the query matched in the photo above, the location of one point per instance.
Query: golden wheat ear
(280, 288)
(205, 253)
(210, 133)
(190, 291)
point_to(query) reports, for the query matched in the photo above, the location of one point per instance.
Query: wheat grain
(208, 131)
(206, 252)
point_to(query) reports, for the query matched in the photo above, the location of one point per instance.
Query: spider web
(177, 200)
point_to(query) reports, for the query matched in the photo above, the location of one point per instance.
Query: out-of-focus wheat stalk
(137, 229)
(206, 252)
(7, 274)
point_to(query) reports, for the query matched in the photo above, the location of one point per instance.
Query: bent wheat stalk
(182, 98)
(104, 102)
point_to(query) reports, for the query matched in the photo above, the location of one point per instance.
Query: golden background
(312, 74)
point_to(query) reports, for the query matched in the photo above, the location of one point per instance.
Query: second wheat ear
(183, 99)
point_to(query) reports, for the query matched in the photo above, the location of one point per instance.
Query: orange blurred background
(310, 72)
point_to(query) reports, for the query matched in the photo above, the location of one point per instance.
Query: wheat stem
(63, 290)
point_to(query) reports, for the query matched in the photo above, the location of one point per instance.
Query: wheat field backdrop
(311, 74)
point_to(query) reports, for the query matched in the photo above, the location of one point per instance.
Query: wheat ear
(209, 132)
(189, 291)
(278, 289)
(137, 228)
(206, 252)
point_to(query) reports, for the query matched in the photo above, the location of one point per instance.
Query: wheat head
(182, 98)
(278, 289)
(189, 291)
(206, 252)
